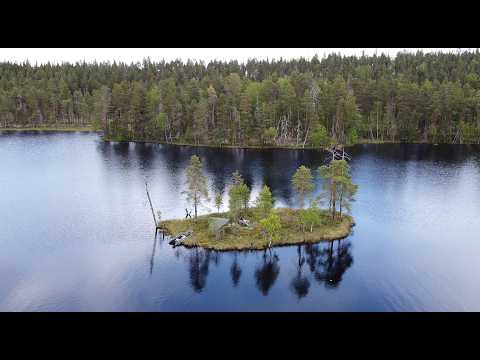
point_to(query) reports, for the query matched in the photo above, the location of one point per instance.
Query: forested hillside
(413, 97)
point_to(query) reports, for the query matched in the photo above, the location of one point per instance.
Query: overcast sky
(52, 55)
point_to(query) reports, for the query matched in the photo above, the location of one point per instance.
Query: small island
(259, 225)
(234, 236)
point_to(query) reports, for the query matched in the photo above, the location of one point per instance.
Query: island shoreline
(277, 245)
(241, 239)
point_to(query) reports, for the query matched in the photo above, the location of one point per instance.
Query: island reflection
(323, 264)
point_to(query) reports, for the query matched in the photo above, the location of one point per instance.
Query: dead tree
(338, 154)
(151, 206)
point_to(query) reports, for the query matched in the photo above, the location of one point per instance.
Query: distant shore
(215, 146)
(218, 146)
(278, 147)
(256, 147)
(59, 129)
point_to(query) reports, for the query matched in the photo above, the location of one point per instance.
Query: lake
(76, 231)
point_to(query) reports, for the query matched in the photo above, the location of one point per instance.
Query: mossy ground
(241, 238)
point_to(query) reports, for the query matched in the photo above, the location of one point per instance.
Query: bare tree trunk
(195, 203)
(151, 206)
(341, 199)
(306, 135)
(298, 131)
(334, 200)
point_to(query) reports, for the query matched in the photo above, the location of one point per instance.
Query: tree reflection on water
(329, 265)
(235, 271)
(300, 283)
(266, 274)
(199, 262)
(324, 263)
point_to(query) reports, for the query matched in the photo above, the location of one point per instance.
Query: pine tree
(302, 182)
(196, 183)
(264, 201)
(239, 196)
(338, 185)
(218, 201)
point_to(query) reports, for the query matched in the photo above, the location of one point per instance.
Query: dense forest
(427, 97)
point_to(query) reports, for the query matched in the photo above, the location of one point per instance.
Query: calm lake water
(76, 231)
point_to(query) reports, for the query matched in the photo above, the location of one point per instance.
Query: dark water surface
(76, 231)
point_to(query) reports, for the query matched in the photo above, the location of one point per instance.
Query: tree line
(432, 97)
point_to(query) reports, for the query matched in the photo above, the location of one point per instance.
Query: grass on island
(236, 237)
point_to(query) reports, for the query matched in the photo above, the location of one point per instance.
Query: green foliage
(412, 97)
(196, 183)
(271, 225)
(218, 201)
(337, 186)
(320, 136)
(310, 217)
(302, 182)
(352, 137)
(155, 128)
(347, 195)
(208, 229)
(234, 202)
(244, 192)
(269, 136)
(200, 120)
(264, 202)
(239, 196)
